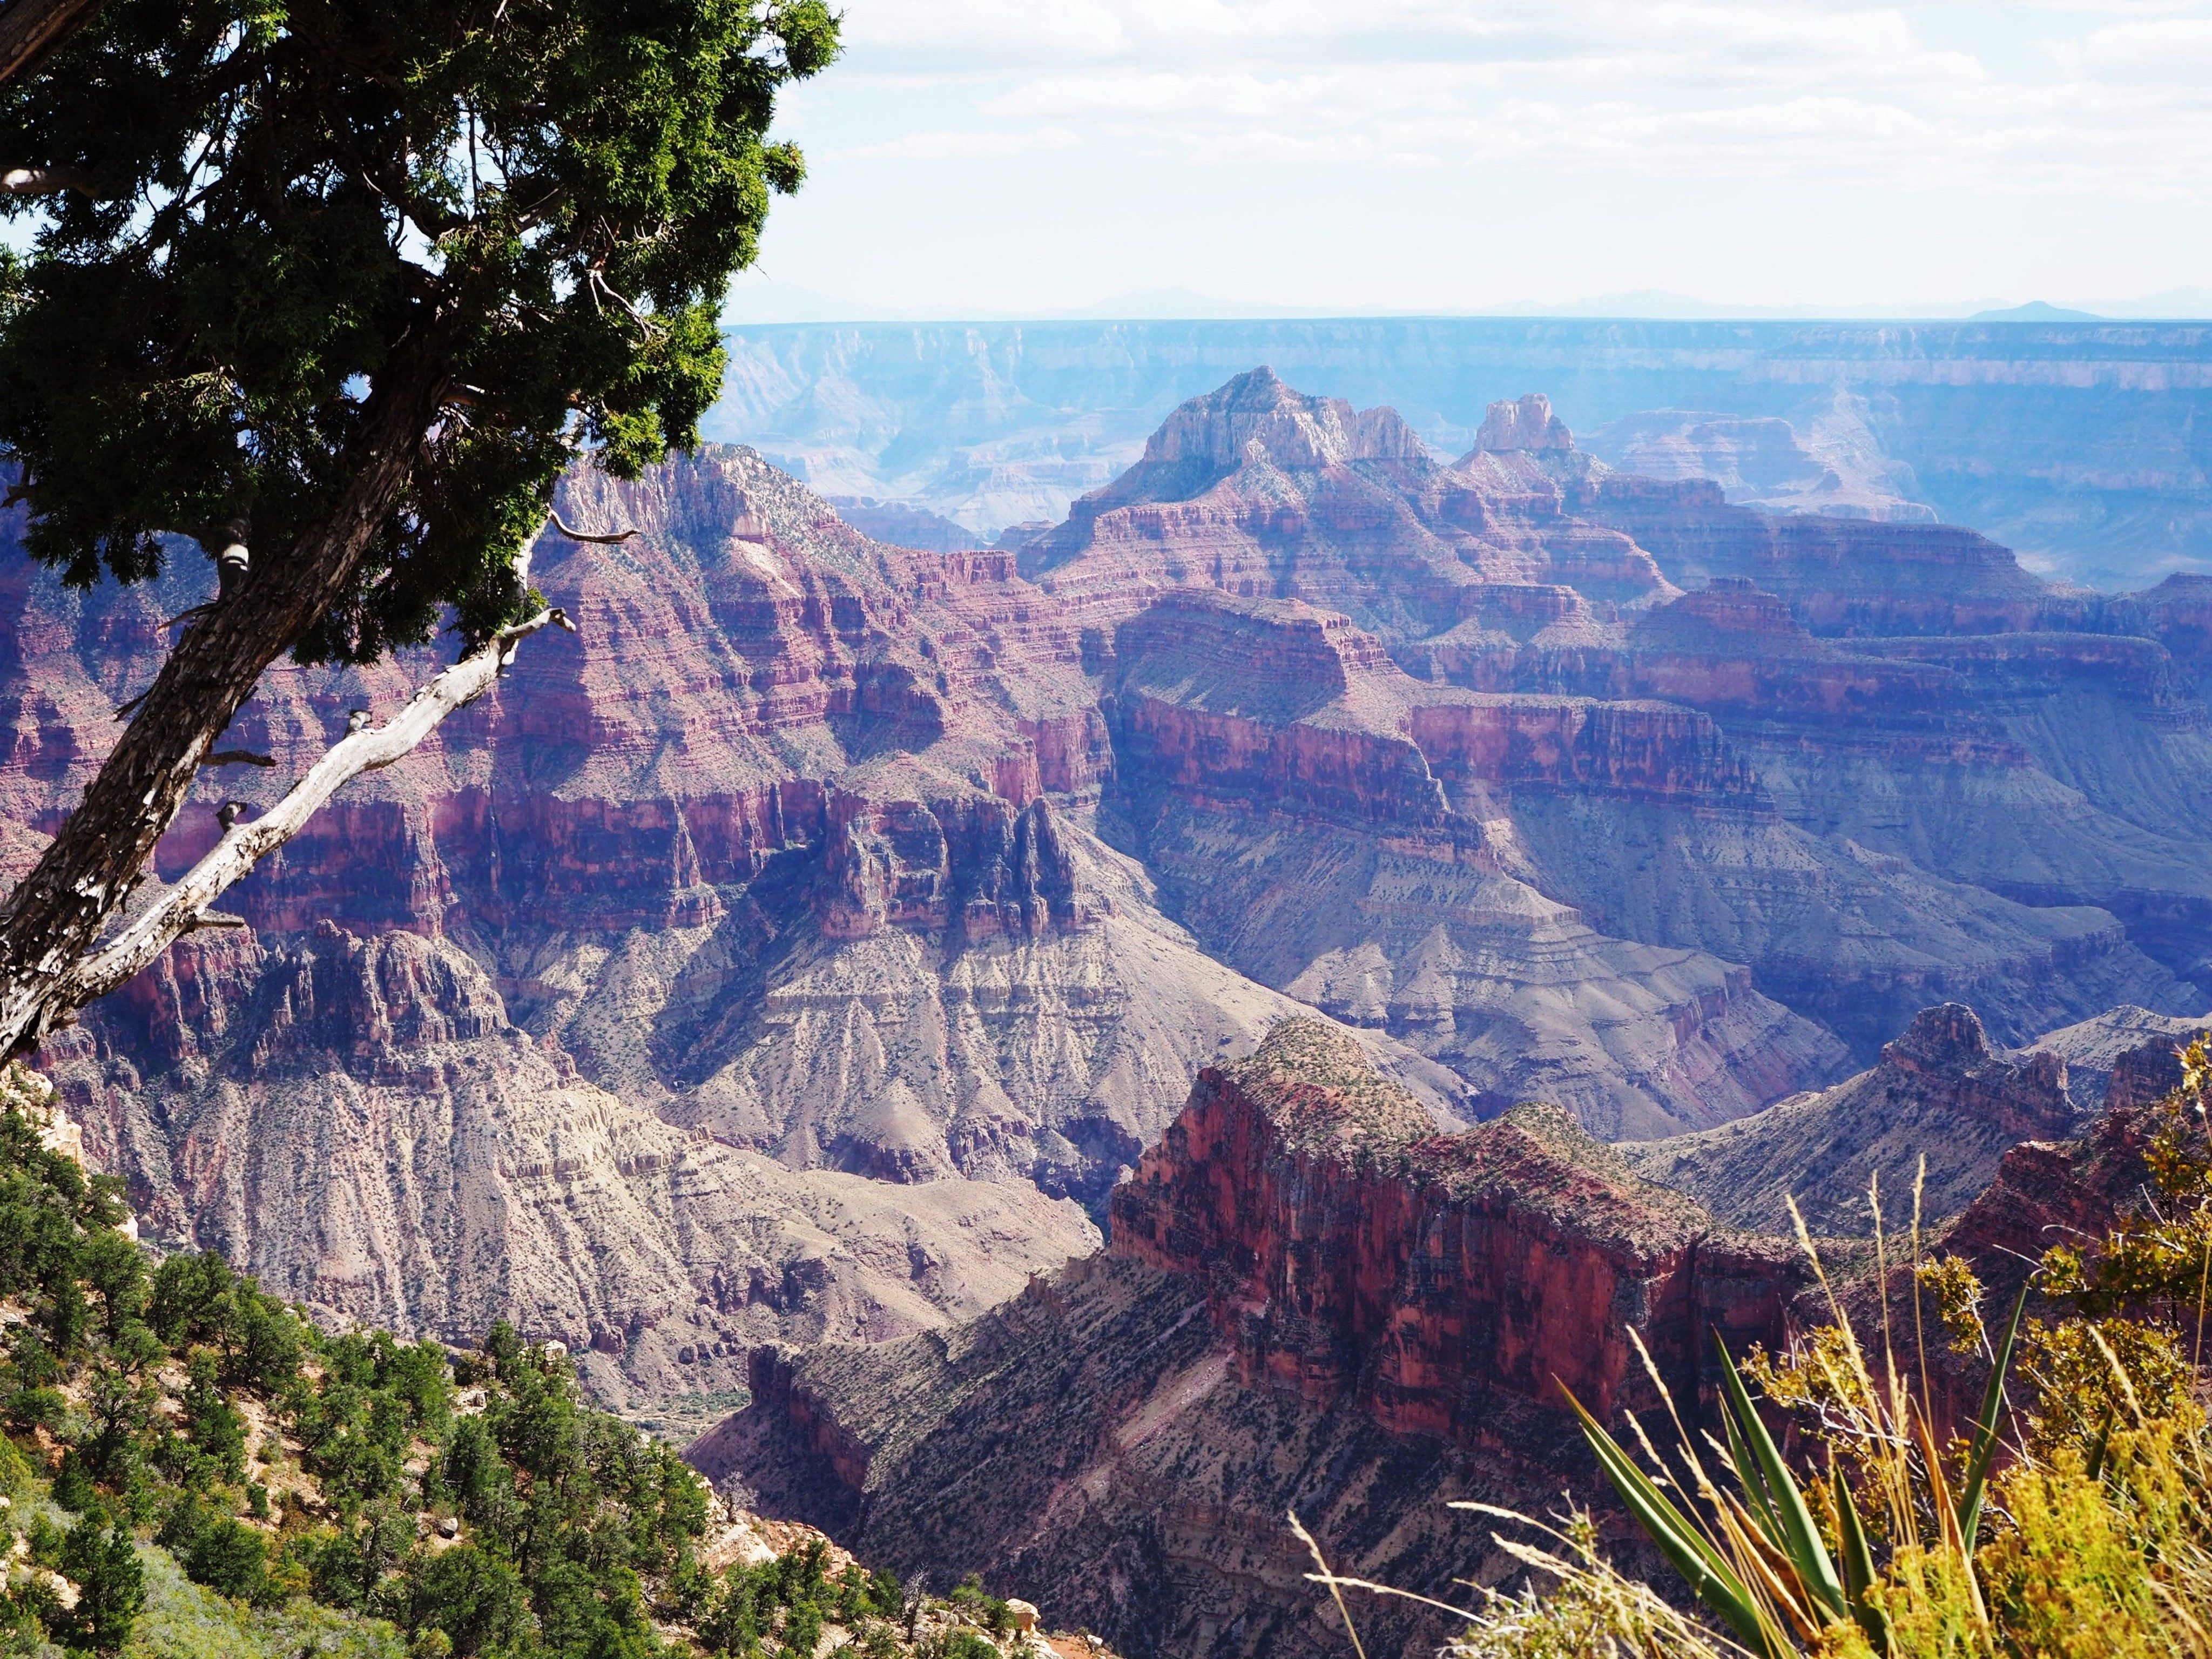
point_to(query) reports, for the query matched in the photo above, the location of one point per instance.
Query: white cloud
(2109, 95)
(951, 146)
(2173, 45)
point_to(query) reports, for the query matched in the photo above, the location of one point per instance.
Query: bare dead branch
(645, 325)
(44, 181)
(237, 758)
(580, 535)
(183, 907)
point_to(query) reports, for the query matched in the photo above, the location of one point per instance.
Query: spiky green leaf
(1858, 1567)
(1801, 1538)
(1688, 1550)
(1984, 1449)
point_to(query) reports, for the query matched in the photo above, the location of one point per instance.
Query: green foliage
(2158, 1262)
(2090, 1534)
(579, 1531)
(213, 1426)
(782, 1605)
(101, 1559)
(532, 208)
(577, 1534)
(972, 1599)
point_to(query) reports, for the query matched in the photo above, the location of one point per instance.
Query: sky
(1027, 157)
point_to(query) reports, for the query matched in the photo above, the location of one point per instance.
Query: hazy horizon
(760, 302)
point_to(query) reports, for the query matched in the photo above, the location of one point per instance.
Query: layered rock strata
(1285, 739)
(782, 868)
(358, 1121)
(1947, 825)
(906, 865)
(1311, 1300)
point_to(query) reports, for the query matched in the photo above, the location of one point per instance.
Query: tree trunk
(54, 918)
(29, 29)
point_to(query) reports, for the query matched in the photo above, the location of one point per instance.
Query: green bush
(101, 1559)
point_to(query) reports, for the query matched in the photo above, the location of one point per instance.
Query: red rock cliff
(1352, 1250)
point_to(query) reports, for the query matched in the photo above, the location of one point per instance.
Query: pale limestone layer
(466, 1173)
(1052, 1056)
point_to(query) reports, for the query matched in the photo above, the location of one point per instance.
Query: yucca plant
(1756, 1556)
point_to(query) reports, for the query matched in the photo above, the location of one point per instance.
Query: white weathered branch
(43, 182)
(183, 907)
(581, 535)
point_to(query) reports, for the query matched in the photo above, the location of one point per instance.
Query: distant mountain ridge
(755, 300)
(2081, 445)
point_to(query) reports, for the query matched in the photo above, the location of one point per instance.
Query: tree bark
(53, 919)
(29, 29)
(183, 907)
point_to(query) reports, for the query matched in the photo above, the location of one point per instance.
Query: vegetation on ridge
(171, 1425)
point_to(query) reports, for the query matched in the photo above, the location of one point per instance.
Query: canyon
(1313, 1302)
(810, 950)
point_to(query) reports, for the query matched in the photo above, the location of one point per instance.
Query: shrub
(101, 1559)
(230, 1557)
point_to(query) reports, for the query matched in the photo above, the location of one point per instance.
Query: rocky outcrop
(2124, 1056)
(1528, 424)
(1353, 1253)
(1312, 1301)
(1259, 490)
(1930, 1124)
(2049, 1192)
(1255, 416)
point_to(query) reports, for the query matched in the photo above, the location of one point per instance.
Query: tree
(101, 1559)
(336, 291)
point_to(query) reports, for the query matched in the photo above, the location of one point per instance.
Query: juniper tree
(334, 290)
